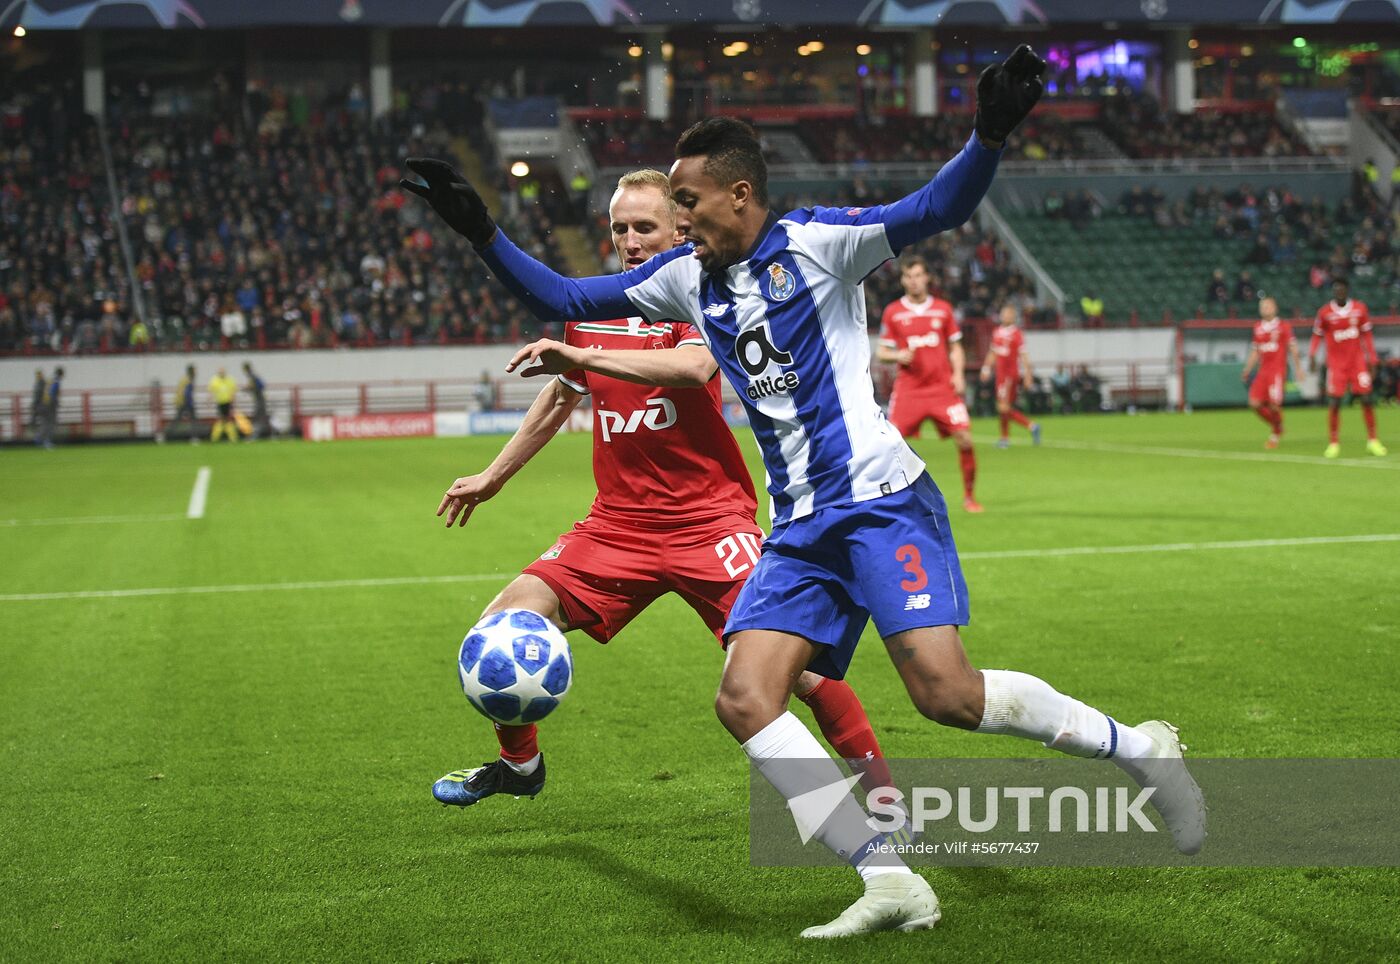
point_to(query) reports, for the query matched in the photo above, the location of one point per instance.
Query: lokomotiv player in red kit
(1013, 369)
(674, 511)
(920, 334)
(1351, 355)
(1272, 343)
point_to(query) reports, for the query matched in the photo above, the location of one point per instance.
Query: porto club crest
(781, 283)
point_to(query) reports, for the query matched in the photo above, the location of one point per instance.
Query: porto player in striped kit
(1270, 347)
(920, 334)
(674, 511)
(1007, 356)
(1345, 324)
(860, 531)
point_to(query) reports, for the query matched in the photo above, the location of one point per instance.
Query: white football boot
(891, 902)
(1177, 799)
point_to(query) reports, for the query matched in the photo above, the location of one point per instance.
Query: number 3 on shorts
(913, 565)
(730, 547)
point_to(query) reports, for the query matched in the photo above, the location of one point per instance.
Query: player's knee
(963, 441)
(743, 708)
(950, 700)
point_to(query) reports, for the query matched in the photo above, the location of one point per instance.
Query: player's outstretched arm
(549, 295)
(1006, 93)
(689, 366)
(547, 414)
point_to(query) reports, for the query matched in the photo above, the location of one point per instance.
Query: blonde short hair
(646, 177)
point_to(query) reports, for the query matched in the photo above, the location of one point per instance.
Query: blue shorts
(824, 576)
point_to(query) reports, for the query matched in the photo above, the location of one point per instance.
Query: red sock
(1018, 418)
(1266, 413)
(1005, 426)
(517, 742)
(1278, 421)
(1334, 419)
(1369, 415)
(968, 461)
(843, 722)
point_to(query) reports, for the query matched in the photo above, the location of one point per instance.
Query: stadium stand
(1144, 129)
(1212, 253)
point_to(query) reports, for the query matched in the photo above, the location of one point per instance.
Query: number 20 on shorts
(730, 549)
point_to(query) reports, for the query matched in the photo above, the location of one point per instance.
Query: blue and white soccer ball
(515, 666)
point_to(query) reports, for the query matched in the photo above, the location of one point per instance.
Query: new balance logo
(918, 601)
(714, 311)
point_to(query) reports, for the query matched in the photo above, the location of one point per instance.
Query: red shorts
(909, 409)
(1341, 379)
(1267, 389)
(605, 572)
(1007, 389)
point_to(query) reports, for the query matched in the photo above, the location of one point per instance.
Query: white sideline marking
(492, 576)
(90, 520)
(1179, 547)
(199, 494)
(255, 587)
(1369, 463)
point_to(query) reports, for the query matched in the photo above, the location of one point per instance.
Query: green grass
(245, 774)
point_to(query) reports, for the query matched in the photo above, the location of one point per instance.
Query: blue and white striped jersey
(787, 326)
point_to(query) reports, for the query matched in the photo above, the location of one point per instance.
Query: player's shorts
(1007, 389)
(824, 576)
(1267, 390)
(606, 572)
(225, 409)
(1340, 380)
(908, 410)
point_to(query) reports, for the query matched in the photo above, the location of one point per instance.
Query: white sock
(791, 759)
(526, 768)
(1022, 705)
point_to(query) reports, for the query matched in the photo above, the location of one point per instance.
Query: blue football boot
(462, 788)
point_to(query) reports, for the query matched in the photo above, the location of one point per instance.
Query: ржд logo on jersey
(660, 413)
(755, 350)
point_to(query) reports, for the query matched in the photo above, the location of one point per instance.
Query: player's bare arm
(957, 358)
(1027, 374)
(547, 414)
(987, 364)
(894, 356)
(1251, 359)
(689, 366)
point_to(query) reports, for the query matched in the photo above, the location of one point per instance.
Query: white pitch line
(255, 587)
(1179, 547)
(495, 576)
(199, 494)
(1371, 463)
(90, 520)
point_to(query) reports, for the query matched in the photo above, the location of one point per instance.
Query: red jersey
(1007, 344)
(928, 330)
(1347, 329)
(1272, 340)
(660, 455)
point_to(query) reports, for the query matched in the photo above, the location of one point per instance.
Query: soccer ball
(515, 666)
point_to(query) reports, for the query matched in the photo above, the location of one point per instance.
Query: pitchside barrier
(1210, 356)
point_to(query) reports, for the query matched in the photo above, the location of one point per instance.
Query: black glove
(453, 198)
(1007, 92)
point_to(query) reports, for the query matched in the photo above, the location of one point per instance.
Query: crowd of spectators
(273, 227)
(1144, 129)
(900, 137)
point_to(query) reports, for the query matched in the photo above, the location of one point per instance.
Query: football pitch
(219, 732)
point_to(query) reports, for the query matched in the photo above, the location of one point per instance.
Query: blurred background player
(674, 511)
(48, 415)
(1351, 354)
(1013, 369)
(184, 404)
(920, 334)
(1273, 340)
(223, 390)
(256, 387)
(36, 400)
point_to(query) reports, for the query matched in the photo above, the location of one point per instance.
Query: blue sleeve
(944, 202)
(549, 295)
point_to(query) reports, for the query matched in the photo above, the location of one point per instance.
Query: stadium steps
(474, 169)
(580, 256)
(1095, 143)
